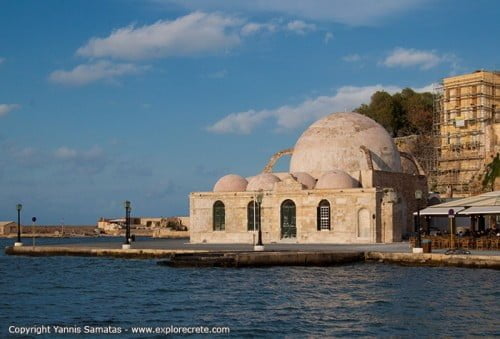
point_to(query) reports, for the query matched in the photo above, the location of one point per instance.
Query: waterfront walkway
(184, 245)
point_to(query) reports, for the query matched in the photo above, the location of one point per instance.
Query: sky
(147, 101)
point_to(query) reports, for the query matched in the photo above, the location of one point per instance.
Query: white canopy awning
(482, 210)
(439, 210)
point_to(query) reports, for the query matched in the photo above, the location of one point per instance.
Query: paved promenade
(183, 244)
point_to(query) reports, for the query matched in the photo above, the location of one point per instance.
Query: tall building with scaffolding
(467, 130)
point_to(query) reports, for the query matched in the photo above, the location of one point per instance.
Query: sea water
(364, 299)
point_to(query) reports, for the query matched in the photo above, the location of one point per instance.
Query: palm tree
(492, 172)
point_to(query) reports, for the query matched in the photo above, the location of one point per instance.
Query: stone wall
(404, 186)
(350, 209)
(8, 228)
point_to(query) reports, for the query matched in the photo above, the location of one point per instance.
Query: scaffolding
(465, 111)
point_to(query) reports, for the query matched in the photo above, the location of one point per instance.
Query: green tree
(382, 110)
(418, 108)
(404, 113)
(492, 172)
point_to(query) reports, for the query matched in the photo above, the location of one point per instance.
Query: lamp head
(19, 207)
(259, 197)
(126, 204)
(418, 194)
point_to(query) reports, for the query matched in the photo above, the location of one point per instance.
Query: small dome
(281, 175)
(305, 179)
(263, 181)
(336, 179)
(231, 183)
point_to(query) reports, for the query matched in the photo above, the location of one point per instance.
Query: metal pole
(259, 242)
(452, 243)
(419, 236)
(127, 217)
(451, 218)
(18, 225)
(254, 198)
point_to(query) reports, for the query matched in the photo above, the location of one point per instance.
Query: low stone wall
(435, 259)
(169, 234)
(255, 259)
(42, 251)
(262, 259)
(53, 231)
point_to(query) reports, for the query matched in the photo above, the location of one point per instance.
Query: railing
(484, 243)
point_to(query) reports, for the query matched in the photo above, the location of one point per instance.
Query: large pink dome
(335, 142)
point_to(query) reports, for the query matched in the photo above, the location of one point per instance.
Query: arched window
(323, 215)
(288, 219)
(219, 216)
(251, 216)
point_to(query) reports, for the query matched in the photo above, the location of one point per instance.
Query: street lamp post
(451, 218)
(418, 197)
(33, 220)
(260, 245)
(126, 245)
(19, 207)
(254, 219)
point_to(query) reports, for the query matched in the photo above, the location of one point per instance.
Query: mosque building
(346, 184)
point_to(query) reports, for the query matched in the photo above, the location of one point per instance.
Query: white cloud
(328, 37)
(288, 117)
(94, 152)
(402, 57)
(6, 108)
(65, 153)
(194, 33)
(240, 123)
(351, 58)
(90, 161)
(300, 27)
(296, 26)
(359, 12)
(99, 70)
(427, 88)
(254, 27)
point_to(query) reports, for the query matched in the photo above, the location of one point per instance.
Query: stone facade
(380, 213)
(358, 193)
